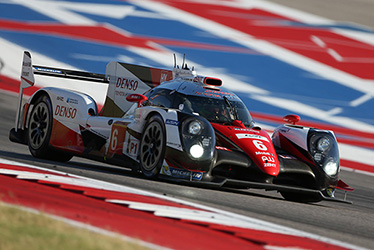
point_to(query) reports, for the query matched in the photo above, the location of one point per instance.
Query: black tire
(152, 147)
(300, 197)
(39, 132)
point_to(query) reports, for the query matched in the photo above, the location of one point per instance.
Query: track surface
(348, 223)
(358, 11)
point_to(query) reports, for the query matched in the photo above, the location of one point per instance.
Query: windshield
(214, 110)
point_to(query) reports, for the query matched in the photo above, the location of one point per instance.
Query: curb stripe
(207, 227)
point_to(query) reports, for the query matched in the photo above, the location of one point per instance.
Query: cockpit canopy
(218, 106)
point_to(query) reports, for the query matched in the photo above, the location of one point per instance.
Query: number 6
(260, 145)
(113, 145)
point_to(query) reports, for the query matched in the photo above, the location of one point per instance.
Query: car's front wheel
(152, 147)
(40, 129)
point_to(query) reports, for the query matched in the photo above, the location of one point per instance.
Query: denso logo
(125, 83)
(65, 111)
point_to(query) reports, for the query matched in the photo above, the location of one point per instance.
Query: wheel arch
(31, 103)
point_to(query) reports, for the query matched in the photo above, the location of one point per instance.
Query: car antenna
(184, 59)
(175, 60)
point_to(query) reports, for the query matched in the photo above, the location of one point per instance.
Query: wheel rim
(39, 124)
(151, 148)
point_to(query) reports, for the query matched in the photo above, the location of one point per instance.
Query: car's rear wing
(123, 79)
(70, 74)
(28, 79)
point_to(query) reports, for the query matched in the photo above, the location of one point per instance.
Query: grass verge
(21, 229)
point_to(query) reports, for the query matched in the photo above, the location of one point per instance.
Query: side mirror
(293, 119)
(136, 98)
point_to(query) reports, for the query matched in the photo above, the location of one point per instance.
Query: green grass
(24, 230)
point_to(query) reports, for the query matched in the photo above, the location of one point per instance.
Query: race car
(177, 125)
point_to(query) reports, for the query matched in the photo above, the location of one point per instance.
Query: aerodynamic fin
(27, 80)
(27, 75)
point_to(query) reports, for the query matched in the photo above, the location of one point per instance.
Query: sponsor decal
(26, 64)
(165, 169)
(267, 159)
(66, 112)
(132, 148)
(129, 84)
(120, 93)
(60, 98)
(174, 145)
(251, 136)
(185, 174)
(218, 92)
(207, 94)
(172, 122)
(164, 76)
(71, 100)
(264, 153)
(49, 70)
(270, 165)
(246, 130)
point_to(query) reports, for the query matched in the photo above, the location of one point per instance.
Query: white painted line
(307, 110)
(254, 223)
(318, 41)
(262, 46)
(12, 54)
(361, 100)
(335, 55)
(357, 154)
(334, 111)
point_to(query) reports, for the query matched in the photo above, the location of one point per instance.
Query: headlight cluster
(194, 127)
(323, 144)
(324, 150)
(196, 151)
(198, 138)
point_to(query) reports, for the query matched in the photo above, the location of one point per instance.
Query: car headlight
(194, 128)
(196, 151)
(323, 148)
(198, 139)
(331, 167)
(323, 144)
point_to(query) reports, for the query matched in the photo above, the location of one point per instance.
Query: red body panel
(255, 143)
(64, 138)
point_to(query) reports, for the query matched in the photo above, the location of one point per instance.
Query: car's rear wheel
(300, 197)
(40, 129)
(152, 147)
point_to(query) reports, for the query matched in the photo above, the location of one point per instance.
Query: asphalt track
(345, 222)
(350, 223)
(358, 11)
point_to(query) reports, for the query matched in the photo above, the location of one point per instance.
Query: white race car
(178, 125)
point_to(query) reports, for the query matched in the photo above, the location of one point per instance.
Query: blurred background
(311, 58)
